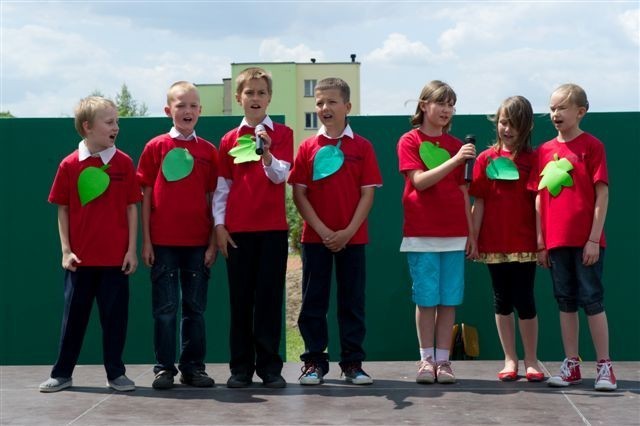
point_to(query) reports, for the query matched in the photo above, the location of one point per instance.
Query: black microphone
(468, 165)
(259, 141)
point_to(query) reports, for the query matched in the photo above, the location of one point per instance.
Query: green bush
(295, 223)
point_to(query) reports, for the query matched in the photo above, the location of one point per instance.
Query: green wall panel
(31, 292)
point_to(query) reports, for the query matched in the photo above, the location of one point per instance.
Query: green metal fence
(31, 290)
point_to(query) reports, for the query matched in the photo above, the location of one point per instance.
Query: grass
(295, 345)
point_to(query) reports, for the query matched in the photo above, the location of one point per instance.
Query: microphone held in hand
(468, 165)
(259, 141)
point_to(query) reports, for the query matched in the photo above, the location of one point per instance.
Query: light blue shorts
(438, 277)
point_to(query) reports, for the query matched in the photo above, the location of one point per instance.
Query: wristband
(541, 249)
(595, 242)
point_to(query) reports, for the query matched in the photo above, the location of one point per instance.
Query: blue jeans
(574, 284)
(175, 271)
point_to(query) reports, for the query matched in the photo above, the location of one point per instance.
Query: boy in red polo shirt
(178, 172)
(333, 178)
(96, 193)
(251, 228)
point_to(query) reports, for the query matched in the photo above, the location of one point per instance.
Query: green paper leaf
(555, 175)
(327, 161)
(502, 168)
(432, 155)
(245, 151)
(92, 183)
(177, 164)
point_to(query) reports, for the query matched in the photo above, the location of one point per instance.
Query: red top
(180, 212)
(509, 220)
(99, 230)
(335, 197)
(255, 203)
(568, 217)
(439, 210)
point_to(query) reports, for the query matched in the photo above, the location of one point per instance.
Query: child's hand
(543, 258)
(130, 263)
(210, 255)
(70, 261)
(471, 248)
(223, 240)
(148, 257)
(590, 253)
(337, 240)
(466, 152)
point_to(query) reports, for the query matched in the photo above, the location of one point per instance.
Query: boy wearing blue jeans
(178, 173)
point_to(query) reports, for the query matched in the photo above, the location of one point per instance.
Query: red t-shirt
(509, 220)
(99, 230)
(255, 203)
(180, 211)
(335, 198)
(568, 217)
(439, 210)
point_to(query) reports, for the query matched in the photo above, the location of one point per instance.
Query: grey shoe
(163, 380)
(55, 384)
(122, 384)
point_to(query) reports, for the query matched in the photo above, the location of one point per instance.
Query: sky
(54, 53)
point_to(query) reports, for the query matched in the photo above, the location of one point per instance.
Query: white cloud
(272, 49)
(399, 49)
(630, 22)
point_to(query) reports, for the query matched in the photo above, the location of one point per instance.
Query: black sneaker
(198, 379)
(312, 374)
(274, 381)
(239, 380)
(354, 374)
(163, 380)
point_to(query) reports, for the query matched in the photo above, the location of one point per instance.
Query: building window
(309, 88)
(311, 120)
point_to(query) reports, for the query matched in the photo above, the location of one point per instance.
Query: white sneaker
(426, 371)
(55, 384)
(122, 384)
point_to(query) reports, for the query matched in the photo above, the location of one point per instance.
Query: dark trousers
(317, 266)
(176, 272)
(513, 288)
(109, 286)
(257, 271)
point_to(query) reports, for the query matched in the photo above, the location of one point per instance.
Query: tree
(6, 114)
(127, 106)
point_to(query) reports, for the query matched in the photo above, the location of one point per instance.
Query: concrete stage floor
(393, 399)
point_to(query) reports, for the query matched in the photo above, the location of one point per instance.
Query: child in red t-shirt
(96, 192)
(333, 178)
(437, 225)
(251, 228)
(571, 206)
(505, 228)
(178, 172)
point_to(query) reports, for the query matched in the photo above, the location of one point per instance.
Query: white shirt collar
(105, 155)
(267, 122)
(175, 134)
(346, 132)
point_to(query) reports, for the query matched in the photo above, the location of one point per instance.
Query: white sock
(442, 354)
(426, 353)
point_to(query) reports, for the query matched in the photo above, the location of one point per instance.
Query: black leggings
(513, 288)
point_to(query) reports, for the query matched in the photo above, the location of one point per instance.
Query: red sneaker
(569, 374)
(605, 379)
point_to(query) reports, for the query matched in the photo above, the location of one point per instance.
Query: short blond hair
(575, 94)
(185, 86)
(253, 73)
(88, 108)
